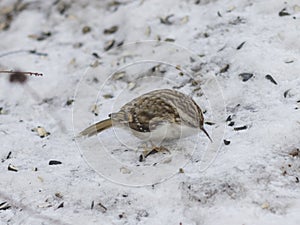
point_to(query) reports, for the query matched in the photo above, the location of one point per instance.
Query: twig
(22, 73)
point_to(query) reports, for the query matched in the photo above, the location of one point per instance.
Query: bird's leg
(154, 149)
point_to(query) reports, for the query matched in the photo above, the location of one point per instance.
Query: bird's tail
(96, 128)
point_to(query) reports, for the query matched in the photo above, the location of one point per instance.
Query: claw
(154, 150)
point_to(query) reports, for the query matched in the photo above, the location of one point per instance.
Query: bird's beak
(205, 132)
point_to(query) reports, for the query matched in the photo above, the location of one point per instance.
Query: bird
(156, 116)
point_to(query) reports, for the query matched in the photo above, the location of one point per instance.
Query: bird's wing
(148, 113)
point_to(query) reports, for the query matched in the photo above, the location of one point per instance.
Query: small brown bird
(156, 116)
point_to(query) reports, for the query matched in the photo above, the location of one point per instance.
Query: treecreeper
(160, 115)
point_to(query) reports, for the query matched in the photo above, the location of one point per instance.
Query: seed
(270, 78)
(111, 30)
(226, 142)
(240, 45)
(246, 76)
(54, 162)
(86, 29)
(283, 12)
(240, 128)
(12, 168)
(108, 45)
(225, 68)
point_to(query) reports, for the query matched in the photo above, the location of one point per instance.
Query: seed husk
(54, 162)
(108, 45)
(270, 78)
(166, 20)
(86, 29)
(245, 76)
(225, 68)
(240, 128)
(240, 45)
(111, 30)
(283, 12)
(12, 168)
(226, 142)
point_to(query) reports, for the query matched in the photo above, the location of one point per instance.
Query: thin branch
(22, 73)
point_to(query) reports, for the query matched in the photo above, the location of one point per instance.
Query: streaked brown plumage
(156, 116)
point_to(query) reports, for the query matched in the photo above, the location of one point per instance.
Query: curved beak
(205, 132)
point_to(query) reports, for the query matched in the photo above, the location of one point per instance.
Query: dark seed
(8, 155)
(120, 43)
(240, 45)
(62, 7)
(58, 195)
(206, 35)
(61, 205)
(44, 35)
(270, 78)
(109, 44)
(141, 158)
(54, 162)
(37, 53)
(107, 96)
(297, 180)
(170, 40)
(86, 29)
(95, 54)
(231, 123)
(40, 37)
(209, 123)
(92, 204)
(113, 5)
(77, 45)
(226, 142)
(285, 94)
(12, 168)
(283, 12)
(246, 76)
(291, 61)
(166, 20)
(4, 206)
(102, 206)
(219, 14)
(228, 118)
(69, 102)
(240, 128)
(221, 49)
(225, 68)
(111, 30)
(295, 152)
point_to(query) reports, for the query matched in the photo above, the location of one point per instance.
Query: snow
(253, 180)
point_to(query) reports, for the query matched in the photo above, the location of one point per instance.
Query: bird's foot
(152, 151)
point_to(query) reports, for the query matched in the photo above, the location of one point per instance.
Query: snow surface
(253, 180)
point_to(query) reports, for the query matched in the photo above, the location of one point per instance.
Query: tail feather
(96, 128)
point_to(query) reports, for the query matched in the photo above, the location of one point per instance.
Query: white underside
(166, 132)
